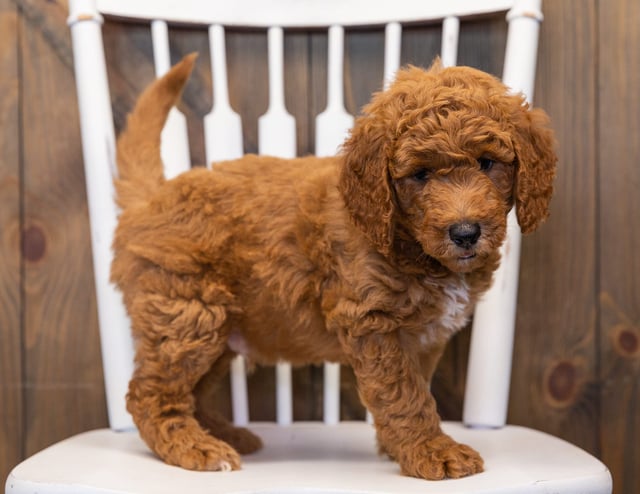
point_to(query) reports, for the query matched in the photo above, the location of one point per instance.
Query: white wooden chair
(334, 456)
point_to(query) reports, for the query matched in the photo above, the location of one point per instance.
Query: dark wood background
(577, 352)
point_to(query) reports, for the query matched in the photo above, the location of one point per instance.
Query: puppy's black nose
(464, 234)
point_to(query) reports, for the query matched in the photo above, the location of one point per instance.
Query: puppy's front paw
(441, 458)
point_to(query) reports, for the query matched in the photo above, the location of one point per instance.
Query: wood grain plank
(555, 362)
(11, 384)
(364, 67)
(62, 358)
(129, 59)
(619, 241)
(297, 88)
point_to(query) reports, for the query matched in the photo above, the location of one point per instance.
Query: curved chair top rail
(300, 13)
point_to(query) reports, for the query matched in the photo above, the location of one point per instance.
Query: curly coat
(373, 258)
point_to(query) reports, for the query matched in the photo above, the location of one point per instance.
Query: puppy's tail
(140, 168)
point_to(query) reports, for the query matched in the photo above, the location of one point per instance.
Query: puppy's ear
(365, 182)
(535, 153)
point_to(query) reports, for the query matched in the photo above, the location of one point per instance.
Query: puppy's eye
(421, 175)
(486, 164)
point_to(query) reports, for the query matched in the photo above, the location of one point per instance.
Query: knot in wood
(562, 383)
(34, 243)
(626, 341)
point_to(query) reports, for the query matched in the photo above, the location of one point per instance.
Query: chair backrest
(489, 368)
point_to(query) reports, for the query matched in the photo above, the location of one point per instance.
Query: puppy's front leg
(392, 386)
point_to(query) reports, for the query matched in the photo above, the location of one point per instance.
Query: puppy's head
(442, 156)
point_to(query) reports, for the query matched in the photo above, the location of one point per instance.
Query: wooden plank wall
(577, 355)
(11, 410)
(618, 240)
(557, 362)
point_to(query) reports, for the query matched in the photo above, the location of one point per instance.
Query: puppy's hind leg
(242, 439)
(178, 336)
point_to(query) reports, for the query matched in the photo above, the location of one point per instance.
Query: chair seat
(313, 458)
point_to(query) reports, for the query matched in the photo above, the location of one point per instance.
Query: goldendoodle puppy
(372, 258)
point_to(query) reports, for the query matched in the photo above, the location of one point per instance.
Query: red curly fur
(349, 259)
